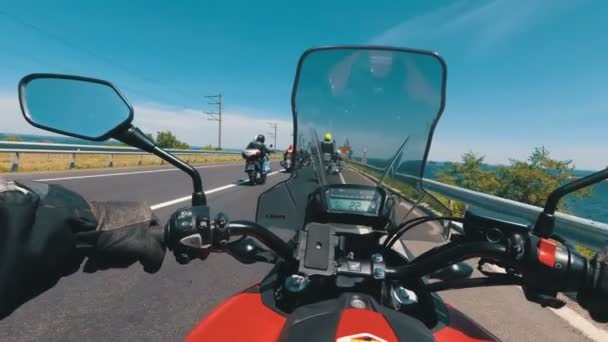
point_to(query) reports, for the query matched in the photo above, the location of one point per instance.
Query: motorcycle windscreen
(362, 116)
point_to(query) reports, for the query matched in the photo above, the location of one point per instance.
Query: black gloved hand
(126, 232)
(36, 240)
(595, 299)
(44, 227)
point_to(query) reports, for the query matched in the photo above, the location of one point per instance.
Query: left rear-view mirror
(81, 107)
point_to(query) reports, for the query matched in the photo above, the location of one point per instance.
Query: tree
(166, 139)
(469, 174)
(529, 181)
(533, 180)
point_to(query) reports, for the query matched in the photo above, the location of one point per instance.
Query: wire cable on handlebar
(391, 236)
(407, 225)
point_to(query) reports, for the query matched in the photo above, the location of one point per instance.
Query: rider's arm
(47, 231)
(267, 150)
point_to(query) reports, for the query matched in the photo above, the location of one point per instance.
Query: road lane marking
(364, 177)
(571, 317)
(342, 178)
(581, 323)
(208, 192)
(126, 173)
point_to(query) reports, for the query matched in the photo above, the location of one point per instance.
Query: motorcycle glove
(46, 231)
(595, 299)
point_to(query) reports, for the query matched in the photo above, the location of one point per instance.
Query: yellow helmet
(327, 136)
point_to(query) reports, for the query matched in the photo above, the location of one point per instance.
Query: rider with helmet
(258, 143)
(328, 150)
(327, 145)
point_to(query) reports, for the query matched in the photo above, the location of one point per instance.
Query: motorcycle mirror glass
(77, 106)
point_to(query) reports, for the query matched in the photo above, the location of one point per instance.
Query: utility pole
(216, 116)
(274, 135)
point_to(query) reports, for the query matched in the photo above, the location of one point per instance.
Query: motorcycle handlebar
(445, 256)
(543, 265)
(264, 235)
(540, 263)
(191, 233)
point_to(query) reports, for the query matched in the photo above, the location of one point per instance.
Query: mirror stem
(134, 137)
(546, 220)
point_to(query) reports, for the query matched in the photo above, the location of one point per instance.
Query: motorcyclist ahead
(328, 148)
(327, 145)
(258, 143)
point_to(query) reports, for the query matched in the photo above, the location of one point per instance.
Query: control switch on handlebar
(189, 233)
(550, 268)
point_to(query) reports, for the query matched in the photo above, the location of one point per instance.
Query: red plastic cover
(241, 318)
(364, 325)
(546, 252)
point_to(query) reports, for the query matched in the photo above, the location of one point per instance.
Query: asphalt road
(130, 305)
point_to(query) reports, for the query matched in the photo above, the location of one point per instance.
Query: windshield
(363, 116)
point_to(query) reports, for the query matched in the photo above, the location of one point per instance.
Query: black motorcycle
(254, 166)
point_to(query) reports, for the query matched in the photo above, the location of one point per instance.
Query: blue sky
(519, 75)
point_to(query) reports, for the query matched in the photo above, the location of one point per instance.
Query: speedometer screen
(353, 200)
(349, 205)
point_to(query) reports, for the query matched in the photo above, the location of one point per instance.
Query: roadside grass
(31, 162)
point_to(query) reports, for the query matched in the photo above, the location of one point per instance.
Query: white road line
(365, 178)
(581, 323)
(571, 317)
(126, 173)
(208, 192)
(342, 178)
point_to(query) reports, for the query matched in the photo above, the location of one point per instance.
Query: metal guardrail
(37, 147)
(15, 148)
(578, 230)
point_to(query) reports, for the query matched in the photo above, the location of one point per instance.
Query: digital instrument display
(353, 200)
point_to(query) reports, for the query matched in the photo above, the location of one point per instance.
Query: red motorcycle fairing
(240, 318)
(462, 328)
(364, 325)
(245, 317)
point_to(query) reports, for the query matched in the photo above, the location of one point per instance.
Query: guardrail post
(111, 162)
(72, 164)
(14, 161)
(139, 163)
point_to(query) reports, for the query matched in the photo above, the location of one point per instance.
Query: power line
(274, 135)
(216, 116)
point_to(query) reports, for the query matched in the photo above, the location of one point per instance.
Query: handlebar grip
(598, 281)
(159, 233)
